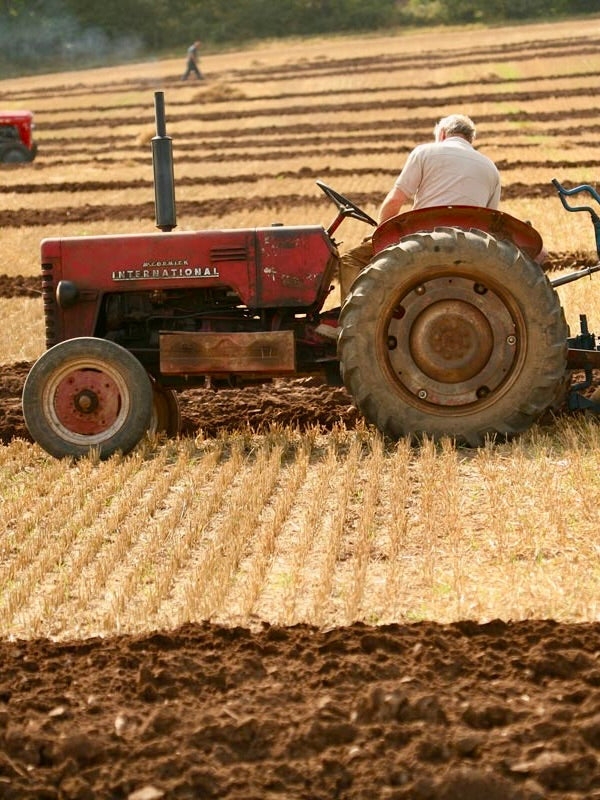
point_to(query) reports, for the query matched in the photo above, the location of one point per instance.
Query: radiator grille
(228, 254)
(49, 304)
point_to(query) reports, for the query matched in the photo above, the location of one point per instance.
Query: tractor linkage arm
(574, 276)
(583, 352)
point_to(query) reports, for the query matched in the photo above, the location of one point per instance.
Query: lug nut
(422, 394)
(511, 340)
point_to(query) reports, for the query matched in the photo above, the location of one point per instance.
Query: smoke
(52, 38)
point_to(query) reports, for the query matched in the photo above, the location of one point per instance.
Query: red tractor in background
(453, 328)
(17, 144)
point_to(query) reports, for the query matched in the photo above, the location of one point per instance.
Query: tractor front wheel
(453, 333)
(16, 154)
(87, 393)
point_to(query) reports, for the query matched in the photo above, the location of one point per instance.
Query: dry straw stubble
(333, 527)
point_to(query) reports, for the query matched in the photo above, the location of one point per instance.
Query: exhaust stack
(162, 161)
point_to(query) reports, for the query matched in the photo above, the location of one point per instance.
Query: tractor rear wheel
(87, 393)
(453, 333)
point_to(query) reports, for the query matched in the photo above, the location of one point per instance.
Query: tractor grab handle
(562, 193)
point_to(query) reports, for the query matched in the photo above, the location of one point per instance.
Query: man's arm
(392, 204)
(495, 198)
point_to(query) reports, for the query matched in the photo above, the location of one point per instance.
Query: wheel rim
(453, 341)
(86, 401)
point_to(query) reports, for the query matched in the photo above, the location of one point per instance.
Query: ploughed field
(281, 604)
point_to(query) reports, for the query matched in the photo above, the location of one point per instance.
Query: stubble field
(281, 604)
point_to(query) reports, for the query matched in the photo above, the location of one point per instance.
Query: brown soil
(331, 173)
(20, 286)
(290, 135)
(294, 403)
(12, 378)
(333, 107)
(85, 212)
(422, 712)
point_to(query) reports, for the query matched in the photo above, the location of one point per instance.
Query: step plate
(269, 352)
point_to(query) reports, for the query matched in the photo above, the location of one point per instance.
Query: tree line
(54, 34)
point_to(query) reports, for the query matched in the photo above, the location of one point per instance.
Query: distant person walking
(192, 62)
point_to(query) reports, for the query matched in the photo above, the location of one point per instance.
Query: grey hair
(456, 125)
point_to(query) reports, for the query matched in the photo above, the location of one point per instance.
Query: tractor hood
(278, 266)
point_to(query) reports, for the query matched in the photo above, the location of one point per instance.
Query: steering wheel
(346, 207)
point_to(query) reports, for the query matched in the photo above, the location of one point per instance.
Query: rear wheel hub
(86, 402)
(452, 341)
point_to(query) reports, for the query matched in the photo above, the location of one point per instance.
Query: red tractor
(453, 329)
(17, 144)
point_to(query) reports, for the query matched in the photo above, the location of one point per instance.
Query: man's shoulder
(426, 147)
(422, 150)
(485, 159)
(469, 150)
(433, 148)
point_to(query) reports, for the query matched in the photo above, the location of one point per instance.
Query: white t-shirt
(450, 173)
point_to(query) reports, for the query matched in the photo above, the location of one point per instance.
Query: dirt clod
(294, 729)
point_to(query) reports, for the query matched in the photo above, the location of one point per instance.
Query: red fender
(497, 223)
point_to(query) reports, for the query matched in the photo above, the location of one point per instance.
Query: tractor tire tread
(546, 364)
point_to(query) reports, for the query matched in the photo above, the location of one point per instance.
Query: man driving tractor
(447, 171)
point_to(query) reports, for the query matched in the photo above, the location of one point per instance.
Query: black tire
(166, 414)
(16, 154)
(87, 393)
(453, 333)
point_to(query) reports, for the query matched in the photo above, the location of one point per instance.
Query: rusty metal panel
(270, 352)
(580, 359)
(294, 266)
